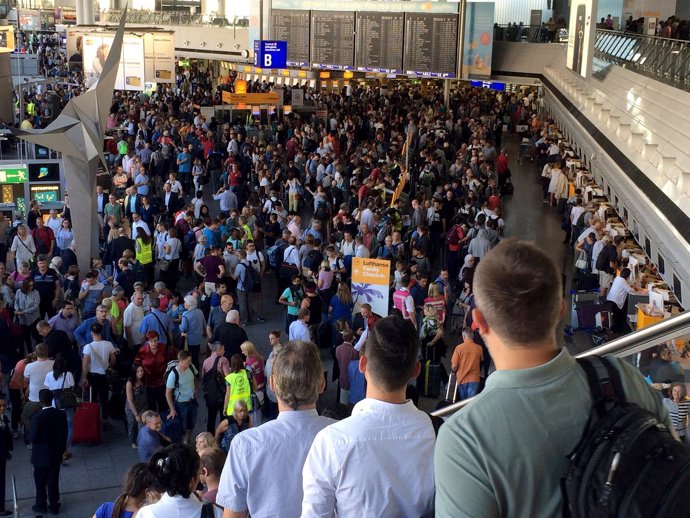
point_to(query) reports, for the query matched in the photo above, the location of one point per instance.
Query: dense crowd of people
(158, 321)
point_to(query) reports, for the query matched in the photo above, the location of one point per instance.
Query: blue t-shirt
(341, 310)
(106, 511)
(147, 443)
(185, 167)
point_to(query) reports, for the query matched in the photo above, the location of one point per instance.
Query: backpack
(321, 211)
(627, 463)
(275, 255)
(251, 278)
(189, 241)
(427, 178)
(581, 220)
(172, 367)
(452, 237)
(213, 385)
(165, 150)
(313, 260)
(138, 272)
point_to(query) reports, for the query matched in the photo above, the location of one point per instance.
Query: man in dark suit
(132, 202)
(48, 437)
(170, 200)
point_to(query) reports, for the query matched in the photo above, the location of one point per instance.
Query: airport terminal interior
(203, 203)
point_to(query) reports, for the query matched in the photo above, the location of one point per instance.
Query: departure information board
(430, 43)
(333, 40)
(379, 40)
(292, 26)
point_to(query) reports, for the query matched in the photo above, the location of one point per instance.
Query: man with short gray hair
(251, 485)
(230, 334)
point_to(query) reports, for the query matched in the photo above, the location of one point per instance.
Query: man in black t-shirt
(47, 283)
(606, 264)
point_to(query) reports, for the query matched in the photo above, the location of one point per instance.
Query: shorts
(605, 279)
(187, 411)
(31, 408)
(209, 288)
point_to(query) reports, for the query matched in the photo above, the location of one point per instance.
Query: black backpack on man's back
(627, 464)
(213, 385)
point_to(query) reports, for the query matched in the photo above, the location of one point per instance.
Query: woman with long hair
(233, 424)
(431, 335)
(144, 253)
(138, 481)
(239, 385)
(60, 379)
(678, 406)
(63, 237)
(255, 366)
(136, 401)
(341, 305)
(26, 308)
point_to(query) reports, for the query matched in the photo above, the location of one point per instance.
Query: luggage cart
(525, 151)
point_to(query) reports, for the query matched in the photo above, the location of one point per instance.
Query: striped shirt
(678, 413)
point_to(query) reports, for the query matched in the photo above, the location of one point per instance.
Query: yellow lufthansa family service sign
(370, 283)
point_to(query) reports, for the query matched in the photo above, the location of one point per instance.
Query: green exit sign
(13, 175)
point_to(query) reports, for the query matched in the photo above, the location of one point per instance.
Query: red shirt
(154, 364)
(502, 164)
(235, 177)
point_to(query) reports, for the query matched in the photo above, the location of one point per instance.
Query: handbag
(582, 262)
(65, 397)
(257, 401)
(163, 264)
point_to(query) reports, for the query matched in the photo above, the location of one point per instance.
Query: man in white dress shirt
(262, 473)
(360, 466)
(299, 329)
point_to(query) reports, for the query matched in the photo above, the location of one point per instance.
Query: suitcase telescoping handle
(455, 392)
(83, 397)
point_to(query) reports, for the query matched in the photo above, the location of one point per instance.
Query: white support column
(82, 196)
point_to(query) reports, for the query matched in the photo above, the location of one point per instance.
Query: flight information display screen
(379, 41)
(333, 40)
(430, 43)
(293, 27)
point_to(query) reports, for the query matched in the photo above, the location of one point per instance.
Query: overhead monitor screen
(430, 40)
(293, 27)
(379, 40)
(333, 40)
(46, 172)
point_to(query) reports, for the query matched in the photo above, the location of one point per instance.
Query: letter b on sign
(268, 60)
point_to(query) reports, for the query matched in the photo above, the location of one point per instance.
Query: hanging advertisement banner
(130, 74)
(164, 58)
(581, 36)
(478, 40)
(371, 284)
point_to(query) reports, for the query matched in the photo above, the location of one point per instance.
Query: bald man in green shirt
(504, 454)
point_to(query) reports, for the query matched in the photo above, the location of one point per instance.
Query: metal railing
(529, 34)
(663, 59)
(632, 343)
(173, 18)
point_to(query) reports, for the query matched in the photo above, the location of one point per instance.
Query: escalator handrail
(632, 343)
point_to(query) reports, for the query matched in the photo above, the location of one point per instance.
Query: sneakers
(134, 446)
(261, 320)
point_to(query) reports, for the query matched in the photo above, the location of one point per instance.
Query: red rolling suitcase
(87, 422)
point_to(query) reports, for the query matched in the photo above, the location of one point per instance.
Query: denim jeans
(468, 390)
(187, 412)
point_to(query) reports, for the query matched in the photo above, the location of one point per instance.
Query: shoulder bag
(65, 397)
